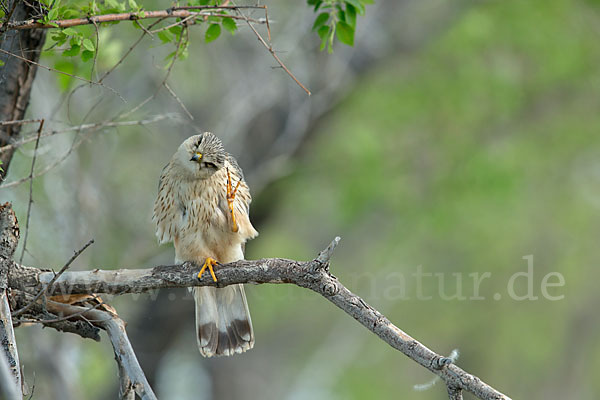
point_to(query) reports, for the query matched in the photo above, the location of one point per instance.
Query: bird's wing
(166, 205)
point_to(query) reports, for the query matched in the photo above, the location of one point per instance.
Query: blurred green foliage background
(460, 155)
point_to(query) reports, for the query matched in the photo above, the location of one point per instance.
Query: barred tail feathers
(223, 323)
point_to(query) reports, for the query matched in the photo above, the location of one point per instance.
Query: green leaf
(64, 81)
(69, 31)
(358, 4)
(229, 24)
(183, 54)
(73, 51)
(52, 14)
(77, 39)
(212, 33)
(69, 13)
(166, 36)
(320, 21)
(170, 55)
(87, 55)
(323, 31)
(351, 15)
(175, 29)
(133, 5)
(1, 65)
(58, 36)
(88, 45)
(344, 33)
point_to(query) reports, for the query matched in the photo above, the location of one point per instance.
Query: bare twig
(164, 81)
(37, 142)
(269, 47)
(62, 72)
(8, 16)
(20, 122)
(178, 100)
(75, 145)
(84, 127)
(133, 46)
(53, 280)
(313, 275)
(61, 319)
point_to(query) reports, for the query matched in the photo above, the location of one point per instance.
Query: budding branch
(175, 12)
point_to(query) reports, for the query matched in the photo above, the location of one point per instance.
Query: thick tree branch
(131, 375)
(8, 387)
(9, 345)
(9, 237)
(16, 76)
(313, 275)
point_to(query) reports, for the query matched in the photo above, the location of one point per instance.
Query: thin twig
(143, 28)
(189, 114)
(4, 25)
(56, 276)
(54, 320)
(133, 46)
(20, 122)
(172, 63)
(75, 145)
(96, 51)
(270, 49)
(93, 126)
(37, 143)
(63, 73)
(178, 23)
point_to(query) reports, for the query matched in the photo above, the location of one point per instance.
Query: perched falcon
(202, 206)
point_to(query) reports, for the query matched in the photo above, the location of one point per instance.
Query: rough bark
(9, 236)
(313, 275)
(16, 76)
(132, 378)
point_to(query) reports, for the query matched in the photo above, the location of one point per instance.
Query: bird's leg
(208, 263)
(230, 197)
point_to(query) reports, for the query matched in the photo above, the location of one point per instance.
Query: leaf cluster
(79, 44)
(337, 19)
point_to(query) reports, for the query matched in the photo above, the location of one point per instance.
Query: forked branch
(313, 275)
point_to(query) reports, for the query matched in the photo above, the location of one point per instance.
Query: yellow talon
(208, 263)
(230, 198)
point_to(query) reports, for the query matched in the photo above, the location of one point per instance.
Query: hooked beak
(196, 157)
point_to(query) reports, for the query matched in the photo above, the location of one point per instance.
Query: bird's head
(202, 155)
